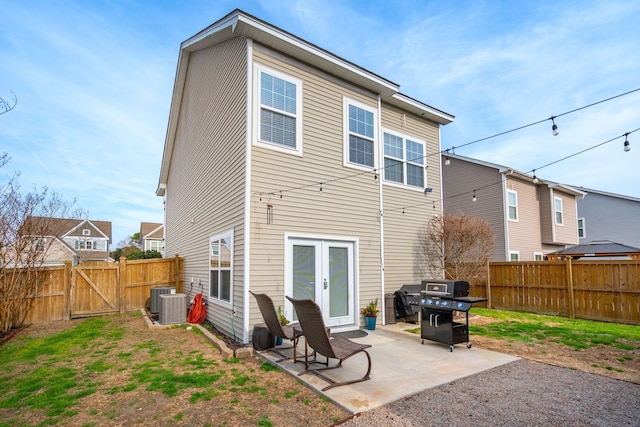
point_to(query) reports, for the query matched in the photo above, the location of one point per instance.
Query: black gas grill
(438, 301)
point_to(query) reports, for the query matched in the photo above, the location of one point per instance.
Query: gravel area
(521, 393)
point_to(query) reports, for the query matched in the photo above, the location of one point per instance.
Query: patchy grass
(114, 370)
(575, 333)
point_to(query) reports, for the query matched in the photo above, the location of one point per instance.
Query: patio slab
(401, 366)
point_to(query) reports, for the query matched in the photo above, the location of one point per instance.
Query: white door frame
(350, 321)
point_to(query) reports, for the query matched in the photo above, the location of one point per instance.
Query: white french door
(322, 270)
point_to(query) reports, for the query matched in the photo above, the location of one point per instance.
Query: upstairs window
(557, 202)
(404, 160)
(360, 131)
(512, 200)
(86, 232)
(279, 110)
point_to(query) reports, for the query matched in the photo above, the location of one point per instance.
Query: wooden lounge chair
(272, 321)
(315, 333)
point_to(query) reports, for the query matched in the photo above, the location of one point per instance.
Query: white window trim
(345, 143)
(217, 301)
(555, 211)
(516, 253)
(538, 254)
(404, 161)
(516, 206)
(86, 232)
(258, 68)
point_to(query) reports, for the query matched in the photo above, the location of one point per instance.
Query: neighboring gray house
(530, 217)
(152, 237)
(273, 181)
(608, 216)
(76, 240)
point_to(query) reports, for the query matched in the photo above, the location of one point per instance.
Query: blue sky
(94, 81)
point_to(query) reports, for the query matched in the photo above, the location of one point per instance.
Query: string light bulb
(626, 142)
(535, 178)
(554, 127)
(473, 199)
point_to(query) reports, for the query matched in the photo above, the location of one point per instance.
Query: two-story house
(75, 240)
(152, 237)
(530, 217)
(287, 170)
(604, 216)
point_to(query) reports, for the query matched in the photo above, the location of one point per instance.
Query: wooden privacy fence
(90, 289)
(604, 290)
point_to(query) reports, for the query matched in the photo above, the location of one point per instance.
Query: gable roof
(239, 23)
(151, 230)
(61, 227)
(598, 248)
(520, 175)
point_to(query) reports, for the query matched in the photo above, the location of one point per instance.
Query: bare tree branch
(459, 244)
(7, 105)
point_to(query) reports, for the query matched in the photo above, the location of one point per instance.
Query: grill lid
(445, 288)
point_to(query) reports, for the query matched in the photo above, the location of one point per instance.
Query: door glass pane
(304, 273)
(339, 282)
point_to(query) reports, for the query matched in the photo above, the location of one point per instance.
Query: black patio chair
(316, 336)
(272, 322)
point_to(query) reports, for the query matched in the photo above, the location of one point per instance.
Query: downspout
(441, 209)
(247, 197)
(552, 202)
(381, 209)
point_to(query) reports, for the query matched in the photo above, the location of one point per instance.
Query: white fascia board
(414, 106)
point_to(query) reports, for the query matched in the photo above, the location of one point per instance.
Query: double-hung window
(512, 200)
(360, 132)
(582, 232)
(279, 110)
(404, 160)
(220, 267)
(557, 203)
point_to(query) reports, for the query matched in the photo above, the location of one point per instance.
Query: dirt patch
(246, 392)
(607, 361)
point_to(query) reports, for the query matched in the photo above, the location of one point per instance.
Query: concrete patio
(401, 366)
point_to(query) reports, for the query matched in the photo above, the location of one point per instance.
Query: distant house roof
(603, 248)
(605, 193)
(61, 227)
(521, 175)
(151, 230)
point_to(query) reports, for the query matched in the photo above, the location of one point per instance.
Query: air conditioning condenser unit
(155, 296)
(173, 309)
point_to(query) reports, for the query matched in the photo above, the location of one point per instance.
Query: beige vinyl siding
(346, 208)
(525, 234)
(545, 198)
(206, 183)
(402, 227)
(567, 233)
(460, 178)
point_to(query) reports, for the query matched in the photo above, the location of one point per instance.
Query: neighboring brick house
(75, 240)
(529, 217)
(152, 237)
(604, 216)
(286, 170)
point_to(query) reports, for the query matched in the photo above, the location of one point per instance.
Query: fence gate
(94, 289)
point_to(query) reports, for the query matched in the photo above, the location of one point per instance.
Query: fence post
(489, 285)
(122, 279)
(66, 278)
(571, 307)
